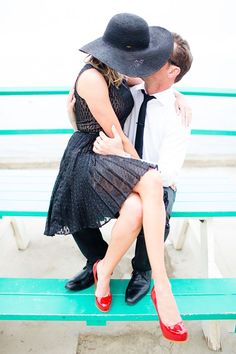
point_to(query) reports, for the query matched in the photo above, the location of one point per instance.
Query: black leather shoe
(82, 280)
(138, 286)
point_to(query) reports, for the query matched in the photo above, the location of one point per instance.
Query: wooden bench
(48, 300)
(26, 193)
(202, 197)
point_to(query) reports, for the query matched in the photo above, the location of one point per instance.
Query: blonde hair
(111, 76)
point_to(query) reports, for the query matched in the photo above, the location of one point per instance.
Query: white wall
(39, 41)
(39, 38)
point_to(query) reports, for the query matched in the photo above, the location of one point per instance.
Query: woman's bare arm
(93, 88)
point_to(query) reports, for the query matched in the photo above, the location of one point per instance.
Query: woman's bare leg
(151, 193)
(124, 232)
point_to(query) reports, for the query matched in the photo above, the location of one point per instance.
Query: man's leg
(140, 281)
(93, 247)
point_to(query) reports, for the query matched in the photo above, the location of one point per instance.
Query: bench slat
(47, 299)
(27, 193)
(55, 286)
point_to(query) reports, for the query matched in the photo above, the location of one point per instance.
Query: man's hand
(183, 109)
(71, 109)
(104, 145)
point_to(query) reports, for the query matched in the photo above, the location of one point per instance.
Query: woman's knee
(151, 182)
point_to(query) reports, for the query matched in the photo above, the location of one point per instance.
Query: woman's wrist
(125, 154)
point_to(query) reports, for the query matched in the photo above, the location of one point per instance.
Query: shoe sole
(176, 341)
(101, 309)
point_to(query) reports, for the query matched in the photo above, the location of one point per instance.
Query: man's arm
(172, 152)
(183, 109)
(70, 109)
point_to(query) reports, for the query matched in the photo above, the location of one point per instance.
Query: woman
(91, 189)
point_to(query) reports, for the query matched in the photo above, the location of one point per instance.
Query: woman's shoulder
(90, 76)
(87, 71)
(90, 79)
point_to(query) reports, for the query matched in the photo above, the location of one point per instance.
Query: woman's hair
(111, 76)
(181, 55)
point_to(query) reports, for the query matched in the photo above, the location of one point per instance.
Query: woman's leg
(124, 232)
(150, 191)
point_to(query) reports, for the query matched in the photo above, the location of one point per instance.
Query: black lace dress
(90, 188)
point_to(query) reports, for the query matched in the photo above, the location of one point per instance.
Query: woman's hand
(183, 109)
(71, 109)
(104, 145)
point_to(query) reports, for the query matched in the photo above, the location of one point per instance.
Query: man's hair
(181, 56)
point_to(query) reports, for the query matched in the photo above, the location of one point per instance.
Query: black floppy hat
(131, 47)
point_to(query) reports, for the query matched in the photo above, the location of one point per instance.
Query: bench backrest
(191, 91)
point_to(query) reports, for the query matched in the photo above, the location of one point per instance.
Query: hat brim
(134, 63)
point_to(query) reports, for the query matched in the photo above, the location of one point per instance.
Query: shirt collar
(163, 97)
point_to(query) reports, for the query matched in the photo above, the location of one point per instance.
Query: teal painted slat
(22, 213)
(70, 131)
(213, 132)
(55, 286)
(204, 91)
(202, 214)
(20, 91)
(176, 214)
(30, 299)
(35, 131)
(193, 91)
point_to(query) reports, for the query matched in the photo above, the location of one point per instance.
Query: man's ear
(173, 72)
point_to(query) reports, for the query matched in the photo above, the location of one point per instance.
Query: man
(163, 141)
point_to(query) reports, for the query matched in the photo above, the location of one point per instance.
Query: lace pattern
(90, 188)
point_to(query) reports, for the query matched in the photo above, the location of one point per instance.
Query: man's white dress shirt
(165, 136)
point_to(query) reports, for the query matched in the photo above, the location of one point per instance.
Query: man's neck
(152, 86)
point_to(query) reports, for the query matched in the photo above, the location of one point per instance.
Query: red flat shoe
(102, 303)
(175, 333)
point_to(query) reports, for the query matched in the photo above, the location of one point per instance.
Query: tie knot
(146, 97)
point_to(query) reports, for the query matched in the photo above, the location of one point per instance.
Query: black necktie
(140, 124)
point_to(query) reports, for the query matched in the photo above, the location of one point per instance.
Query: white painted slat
(30, 190)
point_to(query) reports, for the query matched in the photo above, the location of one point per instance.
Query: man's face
(163, 73)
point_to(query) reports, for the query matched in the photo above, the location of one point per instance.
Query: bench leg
(211, 329)
(178, 238)
(209, 268)
(5, 225)
(20, 234)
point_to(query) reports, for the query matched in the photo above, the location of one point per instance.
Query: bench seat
(48, 300)
(27, 193)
